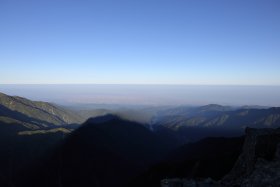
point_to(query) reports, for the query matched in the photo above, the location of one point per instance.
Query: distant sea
(147, 94)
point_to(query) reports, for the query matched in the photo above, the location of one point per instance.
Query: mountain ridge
(107, 150)
(37, 113)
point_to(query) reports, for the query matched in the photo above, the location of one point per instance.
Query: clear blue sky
(140, 41)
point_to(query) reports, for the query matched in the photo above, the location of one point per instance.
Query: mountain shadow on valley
(105, 151)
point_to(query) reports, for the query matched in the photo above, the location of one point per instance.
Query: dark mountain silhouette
(105, 151)
(199, 163)
(210, 157)
(18, 152)
(40, 145)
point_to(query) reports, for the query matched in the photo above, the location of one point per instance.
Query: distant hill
(194, 123)
(189, 116)
(218, 116)
(34, 114)
(42, 144)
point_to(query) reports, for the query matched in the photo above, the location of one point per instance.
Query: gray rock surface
(257, 166)
(259, 163)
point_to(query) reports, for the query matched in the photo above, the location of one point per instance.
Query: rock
(259, 163)
(176, 182)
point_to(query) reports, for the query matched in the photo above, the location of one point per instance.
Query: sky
(192, 42)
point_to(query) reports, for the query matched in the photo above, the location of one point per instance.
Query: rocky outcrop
(259, 163)
(189, 183)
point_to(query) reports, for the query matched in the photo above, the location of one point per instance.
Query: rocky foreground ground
(257, 166)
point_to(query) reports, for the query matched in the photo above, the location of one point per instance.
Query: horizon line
(140, 84)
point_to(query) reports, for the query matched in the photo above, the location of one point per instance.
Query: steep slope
(18, 152)
(105, 151)
(34, 114)
(210, 157)
(257, 118)
(259, 163)
(195, 115)
(213, 120)
(215, 115)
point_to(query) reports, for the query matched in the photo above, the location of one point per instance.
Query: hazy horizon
(156, 95)
(148, 52)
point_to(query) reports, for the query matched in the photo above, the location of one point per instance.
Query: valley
(44, 144)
